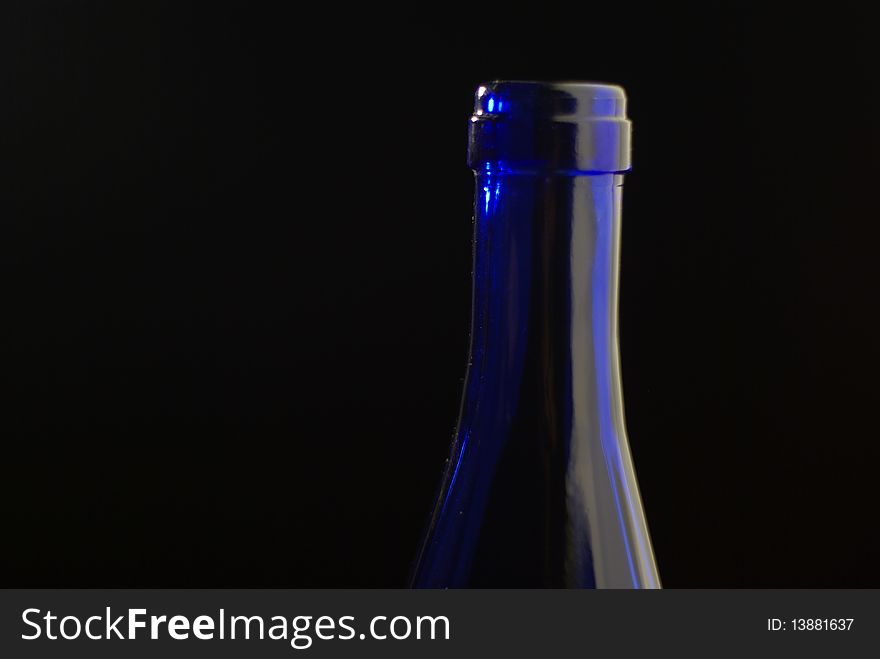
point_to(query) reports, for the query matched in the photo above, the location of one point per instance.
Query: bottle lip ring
(575, 126)
(564, 101)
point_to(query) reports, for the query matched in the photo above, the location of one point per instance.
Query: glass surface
(540, 490)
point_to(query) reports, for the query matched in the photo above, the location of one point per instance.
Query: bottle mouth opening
(575, 126)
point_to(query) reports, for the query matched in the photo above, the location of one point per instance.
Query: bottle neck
(545, 279)
(542, 411)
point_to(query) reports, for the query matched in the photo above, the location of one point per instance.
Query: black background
(235, 259)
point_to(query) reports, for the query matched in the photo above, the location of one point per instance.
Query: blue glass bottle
(540, 489)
